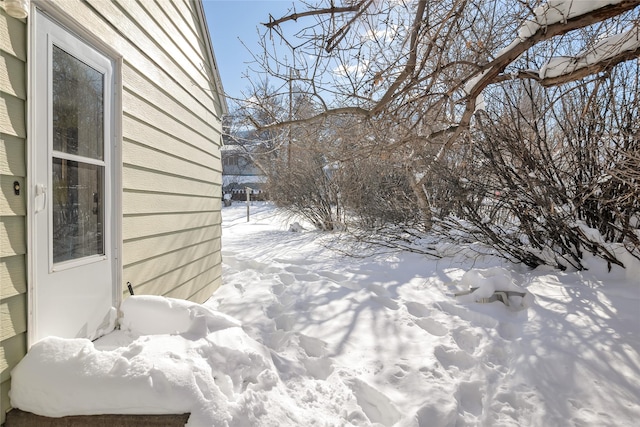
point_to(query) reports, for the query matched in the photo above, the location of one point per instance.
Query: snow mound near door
(170, 357)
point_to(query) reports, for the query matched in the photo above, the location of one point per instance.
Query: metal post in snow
(248, 190)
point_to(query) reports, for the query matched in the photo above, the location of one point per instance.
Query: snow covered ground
(337, 341)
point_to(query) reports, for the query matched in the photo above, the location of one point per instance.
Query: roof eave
(213, 65)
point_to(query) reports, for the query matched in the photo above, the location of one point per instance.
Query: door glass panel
(78, 212)
(78, 106)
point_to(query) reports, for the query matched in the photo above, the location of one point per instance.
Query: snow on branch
(553, 18)
(610, 50)
(560, 11)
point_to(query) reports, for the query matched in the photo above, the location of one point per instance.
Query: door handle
(41, 191)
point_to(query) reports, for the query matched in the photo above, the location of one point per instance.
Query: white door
(73, 263)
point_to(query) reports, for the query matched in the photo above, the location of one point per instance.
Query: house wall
(171, 168)
(171, 133)
(13, 248)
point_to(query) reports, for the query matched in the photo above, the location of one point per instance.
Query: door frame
(55, 13)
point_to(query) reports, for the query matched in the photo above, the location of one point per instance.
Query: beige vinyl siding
(170, 261)
(148, 180)
(13, 75)
(171, 128)
(138, 227)
(13, 278)
(12, 118)
(11, 352)
(189, 278)
(191, 33)
(171, 168)
(12, 204)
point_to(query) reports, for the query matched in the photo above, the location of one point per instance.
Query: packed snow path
(381, 340)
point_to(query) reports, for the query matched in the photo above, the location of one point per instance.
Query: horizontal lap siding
(143, 179)
(171, 261)
(171, 169)
(13, 282)
(200, 270)
(182, 14)
(171, 160)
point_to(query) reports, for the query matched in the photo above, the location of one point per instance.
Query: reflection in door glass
(78, 215)
(78, 111)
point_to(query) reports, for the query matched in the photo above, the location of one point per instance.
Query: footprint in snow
(287, 279)
(278, 289)
(467, 340)
(317, 364)
(133, 350)
(453, 357)
(387, 302)
(296, 270)
(313, 347)
(417, 309)
(376, 405)
(511, 402)
(274, 310)
(338, 278)
(379, 290)
(261, 267)
(470, 395)
(432, 326)
(285, 322)
(438, 410)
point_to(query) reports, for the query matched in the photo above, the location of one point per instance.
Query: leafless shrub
(553, 176)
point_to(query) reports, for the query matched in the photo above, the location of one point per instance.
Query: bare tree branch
(413, 114)
(410, 66)
(330, 10)
(484, 74)
(575, 75)
(333, 41)
(497, 66)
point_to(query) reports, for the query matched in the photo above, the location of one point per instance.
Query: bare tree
(369, 58)
(413, 75)
(428, 62)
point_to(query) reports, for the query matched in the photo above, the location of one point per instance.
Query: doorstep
(18, 418)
